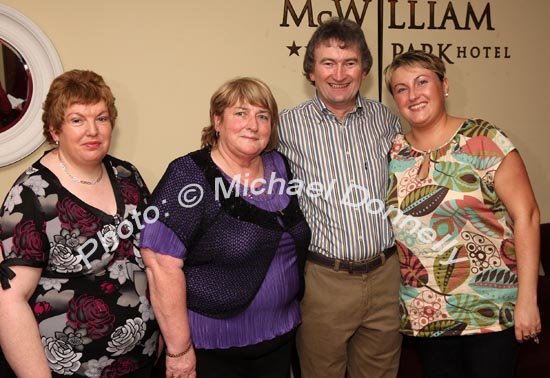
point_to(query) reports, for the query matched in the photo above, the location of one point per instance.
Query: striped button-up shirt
(341, 174)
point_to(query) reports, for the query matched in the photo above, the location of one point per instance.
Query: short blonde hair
(414, 58)
(245, 89)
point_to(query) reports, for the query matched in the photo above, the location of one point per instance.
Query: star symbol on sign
(294, 49)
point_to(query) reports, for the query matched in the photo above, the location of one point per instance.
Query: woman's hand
(527, 320)
(182, 367)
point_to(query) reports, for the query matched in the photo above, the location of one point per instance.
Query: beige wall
(163, 60)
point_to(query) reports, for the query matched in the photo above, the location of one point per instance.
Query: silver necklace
(77, 179)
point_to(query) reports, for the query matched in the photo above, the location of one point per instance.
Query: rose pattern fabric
(125, 338)
(62, 358)
(463, 280)
(91, 313)
(118, 369)
(27, 241)
(109, 237)
(14, 198)
(41, 308)
(74, 216)
(108, 287)
(77, 339)
(52, 283)
(130, 191)
(95, 367)
(151, 344)
(63, 260)
(37, 185)
(91, 304)
(146, 309)
(125, 247)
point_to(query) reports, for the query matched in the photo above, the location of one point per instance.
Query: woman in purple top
(226, 247)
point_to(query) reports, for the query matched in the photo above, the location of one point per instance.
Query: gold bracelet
(179, 354)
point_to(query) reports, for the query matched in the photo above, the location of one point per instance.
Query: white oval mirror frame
(44, 65)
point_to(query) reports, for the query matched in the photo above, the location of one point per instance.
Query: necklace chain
(77, 179)
(232, 170)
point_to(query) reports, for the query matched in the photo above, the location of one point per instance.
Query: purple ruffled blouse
(275, 309)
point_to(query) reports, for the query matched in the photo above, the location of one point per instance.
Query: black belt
(360, 266)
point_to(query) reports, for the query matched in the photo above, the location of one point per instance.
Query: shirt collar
(322, 108)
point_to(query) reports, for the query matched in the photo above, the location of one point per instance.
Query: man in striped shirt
(338, 143)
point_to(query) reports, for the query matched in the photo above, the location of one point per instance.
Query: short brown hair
(74, 87)
(414, 58)
(245, 89)
(347, 33)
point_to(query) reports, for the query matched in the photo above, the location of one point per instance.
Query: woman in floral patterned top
(468, 240)
(74, 297)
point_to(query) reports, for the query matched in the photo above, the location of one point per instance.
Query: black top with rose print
(91, 304)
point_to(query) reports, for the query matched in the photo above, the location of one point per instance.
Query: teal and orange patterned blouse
(454, 235)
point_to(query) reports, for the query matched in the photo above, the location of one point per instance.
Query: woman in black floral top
(74, 298)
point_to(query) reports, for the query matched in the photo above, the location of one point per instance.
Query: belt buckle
(350, 267)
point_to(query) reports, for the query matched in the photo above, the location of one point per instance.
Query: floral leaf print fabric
(455, 176)
(412, 271)
(450, 218)
(91, 304)
(498, 284)
(449, 277)
(423, 200)
(442, 328)
(472, 310)
(480, 153)
(454, 238)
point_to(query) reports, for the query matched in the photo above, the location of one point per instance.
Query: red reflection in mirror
(15, 86)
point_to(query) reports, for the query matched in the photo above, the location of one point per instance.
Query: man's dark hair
(347, 32)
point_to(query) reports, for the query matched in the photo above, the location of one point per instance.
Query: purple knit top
(275, 310)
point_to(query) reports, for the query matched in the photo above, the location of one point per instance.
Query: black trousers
(268, 359)
(485, 356)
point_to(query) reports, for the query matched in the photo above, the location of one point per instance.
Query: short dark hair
(343, 30)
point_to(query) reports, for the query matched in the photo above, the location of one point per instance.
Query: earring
(217, 134)
(57, 142)
(447, 94)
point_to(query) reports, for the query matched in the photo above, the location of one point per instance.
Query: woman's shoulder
(476, 132)
(400, 141)
(474, 127)
(123, 169)
(186, 169)
(32, 174)
(190, 162)
(116, 162)
(274, 156)
(277, 162)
